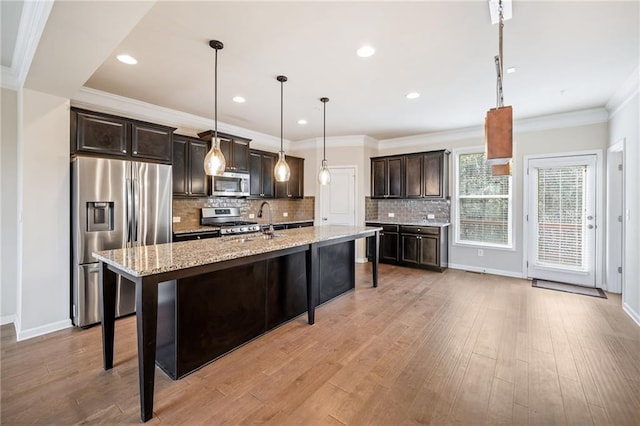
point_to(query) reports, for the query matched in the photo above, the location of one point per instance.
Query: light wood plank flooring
(423, 348)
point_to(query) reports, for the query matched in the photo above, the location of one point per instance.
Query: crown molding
(337, 142)
(625, 93)
(32, 22)
(100, 101)
(532, 124)
(9, 78)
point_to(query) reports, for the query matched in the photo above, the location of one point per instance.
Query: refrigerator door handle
(136, 209)
(129, 212)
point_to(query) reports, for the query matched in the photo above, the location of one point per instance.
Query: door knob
(324, 218)
(590, 226)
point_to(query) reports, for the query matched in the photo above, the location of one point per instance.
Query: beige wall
(44, 184)
(624, 125)
(8, 204)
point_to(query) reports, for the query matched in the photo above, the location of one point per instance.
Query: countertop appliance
(114, 204)
(228, 219)
(230, 185)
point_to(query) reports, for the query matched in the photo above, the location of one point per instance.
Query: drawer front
(385, 226)
(429, 230)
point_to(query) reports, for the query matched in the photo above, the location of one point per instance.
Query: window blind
(483, 202)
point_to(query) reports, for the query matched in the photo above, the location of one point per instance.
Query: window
(483, 203)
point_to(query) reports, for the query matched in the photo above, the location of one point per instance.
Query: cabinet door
(378, 178)
(240, 156)
(101, 135)
(225, 147)
(296, 181)
(199, 179)
(180, 167)
(267, 177)
(410, 248)
(389, 246)
(429, 246)
(394, 178)
(413, 176)
(151, 143)
(433, 183)
(255, 174)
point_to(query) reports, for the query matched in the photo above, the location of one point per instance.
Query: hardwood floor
(423, 348)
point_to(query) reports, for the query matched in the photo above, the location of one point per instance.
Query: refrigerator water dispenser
(99, 216)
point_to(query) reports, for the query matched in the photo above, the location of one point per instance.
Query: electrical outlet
(252, 216)
(176, 219)
(285, 214)
(431, 216)
(480, 252)
(392, 215)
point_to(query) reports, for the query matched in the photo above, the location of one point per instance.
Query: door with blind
(562, 219)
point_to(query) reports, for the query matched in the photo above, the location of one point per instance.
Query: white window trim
(456, 210)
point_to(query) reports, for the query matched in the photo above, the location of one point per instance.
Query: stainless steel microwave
(231, 185)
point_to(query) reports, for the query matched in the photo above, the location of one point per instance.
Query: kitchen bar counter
(392, 221)
(189, 229)
(187, 262)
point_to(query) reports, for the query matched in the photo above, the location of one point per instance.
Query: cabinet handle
(124, 151)
(135, 152)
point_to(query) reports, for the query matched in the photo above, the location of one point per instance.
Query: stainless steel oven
(231, 185)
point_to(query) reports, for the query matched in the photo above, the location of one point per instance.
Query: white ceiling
(10, 11)
(569, 56)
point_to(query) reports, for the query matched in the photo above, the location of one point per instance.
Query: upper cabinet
(387, 177)
(234, 148)
(262, 180)
(294, 187)
(420, 175)
(189, 178)
(427, 175)
(111, 136)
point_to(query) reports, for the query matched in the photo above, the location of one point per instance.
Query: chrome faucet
(270, 214)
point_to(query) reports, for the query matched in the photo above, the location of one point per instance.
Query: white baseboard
(7, 319)
(43, 329)
(633, 314)
(501, 272)
(361, 260)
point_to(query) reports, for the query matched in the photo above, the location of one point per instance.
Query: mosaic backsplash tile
(406, 210)
(188, 209)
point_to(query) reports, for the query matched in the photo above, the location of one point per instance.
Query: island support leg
(107, 302)
(147, 324)
(312, 281)
(376, 257)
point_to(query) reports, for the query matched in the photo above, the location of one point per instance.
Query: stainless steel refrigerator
(114, 204)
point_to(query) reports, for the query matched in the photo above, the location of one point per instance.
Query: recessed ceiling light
(413, 95)
(127, 59)
(366, 51)
(238, 99)
(302, 122)
(511, 70)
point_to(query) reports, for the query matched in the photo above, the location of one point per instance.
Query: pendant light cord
(498, 59)
(324, 132)
(281, 112)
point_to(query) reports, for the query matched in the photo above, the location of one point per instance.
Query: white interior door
(337, 202)
(562, 219)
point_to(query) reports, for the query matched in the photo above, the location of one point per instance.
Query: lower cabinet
(416, 246)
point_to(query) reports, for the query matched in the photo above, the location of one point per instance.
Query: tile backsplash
(406, 210)
(188, 209)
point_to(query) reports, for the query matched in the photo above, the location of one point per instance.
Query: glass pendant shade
(282, 171)
(324, 177)
(214, 162)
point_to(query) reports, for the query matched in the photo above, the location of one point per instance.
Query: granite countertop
(182, 229)
(155, 259)
(410, 222)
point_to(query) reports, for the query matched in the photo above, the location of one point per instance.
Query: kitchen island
(188, 277)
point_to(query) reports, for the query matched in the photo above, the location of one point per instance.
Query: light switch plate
(392, 215)
(252, 216)
(431, 216)
(176, 219)
(285, 214)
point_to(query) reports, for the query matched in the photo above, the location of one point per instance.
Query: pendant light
(282, 171)
(214, 162)
(498, 123)
(324, 177)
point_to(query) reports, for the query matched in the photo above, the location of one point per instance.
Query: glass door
(561, 219)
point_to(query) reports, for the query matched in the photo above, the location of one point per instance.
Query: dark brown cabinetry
(189, 178)
(107, 135)
(294, 187)
(262, 180)
(234, 148)
(388, 250)
(426, 175)
(386, 177)
(424, 246)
